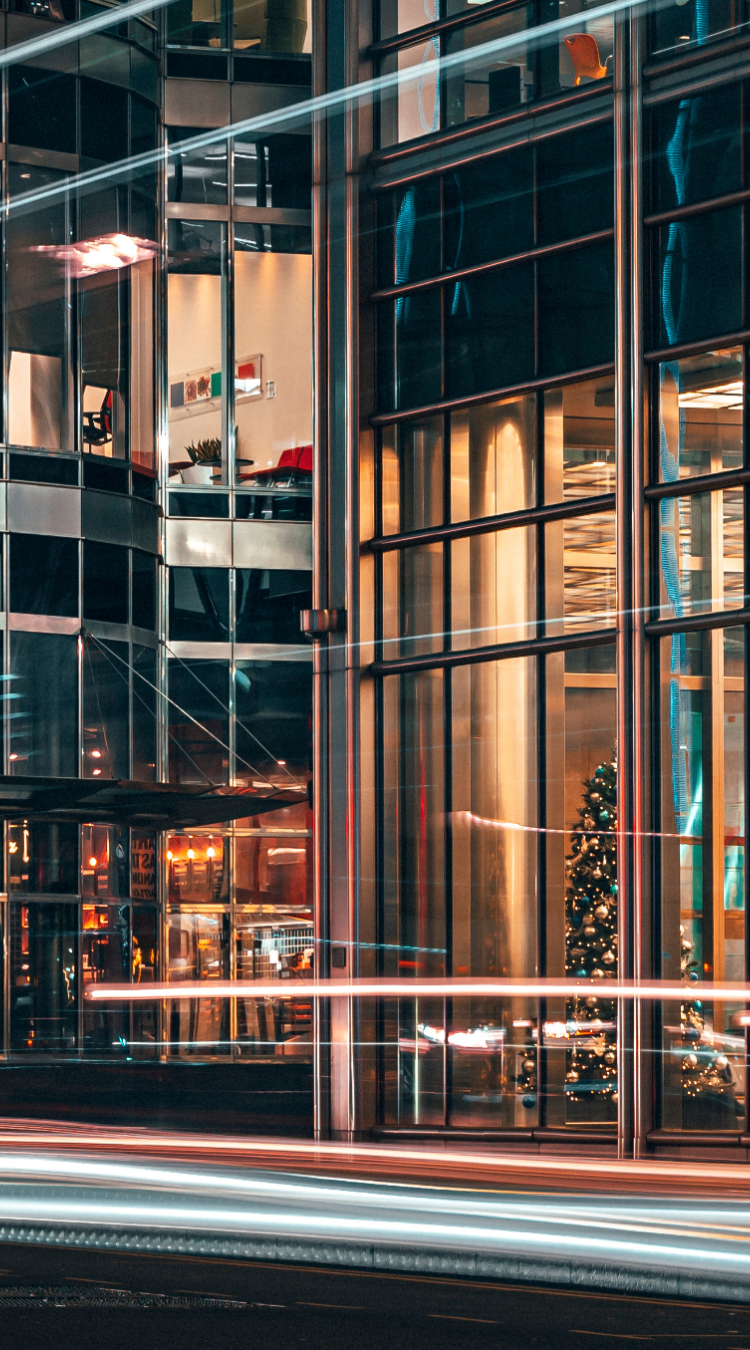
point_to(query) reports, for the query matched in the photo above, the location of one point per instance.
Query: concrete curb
(605, 1276)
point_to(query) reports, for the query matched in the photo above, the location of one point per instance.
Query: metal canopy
(158, 806)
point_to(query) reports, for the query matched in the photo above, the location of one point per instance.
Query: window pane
(700, 414)
(489, 331)
(679, 30)
(702, 553)
(413, 860)
(493, 727)
(196, 175)
(701, 737)
(576, 309)
(580, 564)
(271, 25)
(575, 184)
(498, 83)
(42, 109)
(696, 146)
(105, 582)
(493, 588)
(413, 108)
(43, 977)
(398, 16)
(489, 208)
(413, 601)
(199, 604)
(196, 267)
(196, 25)
(198, 868)
(144, 713)
(493, 452)
(43, 858)
(699, 271)
(418, 347)
(106, 698)
(43, 575)
(198, 721)
(411, 251)
(105, 959)
(267, 948)
(274, 871)
(44, 732)
(40, 396)
(274, 724)
(579, 440)
(581, 864)
(411, 472)
(144, 590)
(269, 604)
(198, 950)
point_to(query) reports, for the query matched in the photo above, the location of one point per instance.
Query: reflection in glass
(105, 959)
(493, 588)
(40, 395)
(43, 977)
(500, 82)
(268, 604)
(700, 414)
(413, 109)
(197, 868)
(580, 566)
(411, 469)
(273, 870)
(272, 25)
(44, 731)
(105, 870)
(198, 721)
(493, 458)
(579, 440)
(701, 715)
(271, 948)
(198, 950)
(702, 552)
(199, 604)
(274, 724)
(106, 747)
(414, 910)
(494, 845)
(413, 601)
(43, 858)
(196, 175)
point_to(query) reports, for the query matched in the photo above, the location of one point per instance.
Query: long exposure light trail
(668, 991)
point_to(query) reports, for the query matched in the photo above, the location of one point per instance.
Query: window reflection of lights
(729, 396)
(170, 855)
(13, 756)
(106, 253)
(191, 853)
(26, 846)
(97, 773)
(96, 754)
(12, 847)
(210, 852)
(92, 862)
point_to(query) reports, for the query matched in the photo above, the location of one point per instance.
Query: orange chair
(584, 53)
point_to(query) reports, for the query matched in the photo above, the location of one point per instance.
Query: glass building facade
(426, 322)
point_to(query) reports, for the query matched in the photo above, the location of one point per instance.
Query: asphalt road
(63, 1299)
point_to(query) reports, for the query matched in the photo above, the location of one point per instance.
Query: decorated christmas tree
(707, 1080)
(591, 938)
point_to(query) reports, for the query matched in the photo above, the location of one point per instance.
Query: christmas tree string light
(591, 937)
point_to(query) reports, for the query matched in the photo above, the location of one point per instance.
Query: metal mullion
(540, 665)
(467, 529)
(504, 391)
(735, 339)
(435, 140)
(726, 618)
(496, 265)
(709, 482)
(447, 777)
(471, 656)
(425, 31)
(698, 208)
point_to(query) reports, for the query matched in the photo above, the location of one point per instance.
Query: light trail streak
(669, 991)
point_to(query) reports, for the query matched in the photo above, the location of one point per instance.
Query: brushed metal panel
(42, 623)
(200, 651)
(146, 525)
(199, 543)
(106, 517)
(272, 651)
(38, 508)
(196, 103)
(273, 543)
(251, 100)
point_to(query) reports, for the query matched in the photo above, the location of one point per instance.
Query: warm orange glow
(92, 862)
(191, 853)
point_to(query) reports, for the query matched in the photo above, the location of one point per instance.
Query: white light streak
(657, 991)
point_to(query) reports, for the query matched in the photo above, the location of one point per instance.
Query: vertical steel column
(630, 639)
